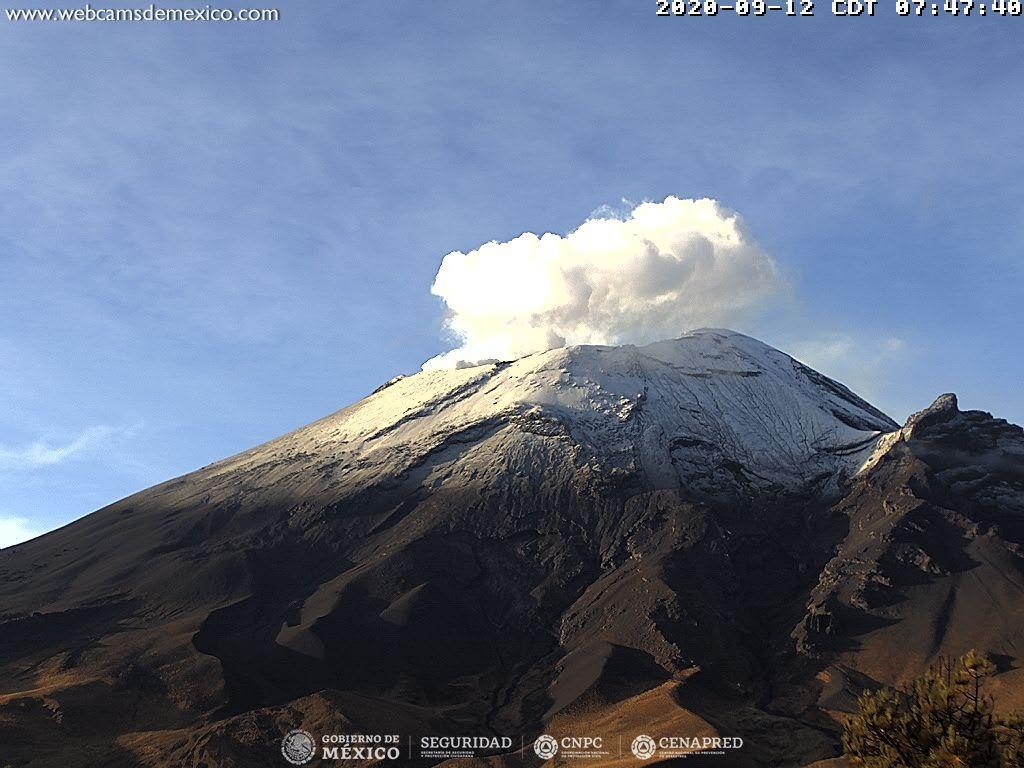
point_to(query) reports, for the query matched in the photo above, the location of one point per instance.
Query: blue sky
(211, 234)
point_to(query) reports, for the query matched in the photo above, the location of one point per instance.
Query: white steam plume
(667, 268)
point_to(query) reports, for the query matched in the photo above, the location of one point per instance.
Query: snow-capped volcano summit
(711, 410)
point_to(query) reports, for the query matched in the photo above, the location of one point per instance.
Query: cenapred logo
(298, 746)
(546, 747)
(643, 747)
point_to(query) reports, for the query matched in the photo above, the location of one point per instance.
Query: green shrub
(943, 719)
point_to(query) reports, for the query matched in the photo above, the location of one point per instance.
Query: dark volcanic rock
(932, 562)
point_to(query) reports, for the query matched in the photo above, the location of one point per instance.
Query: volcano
(698, 537)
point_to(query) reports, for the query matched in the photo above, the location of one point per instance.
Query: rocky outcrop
(931, 563)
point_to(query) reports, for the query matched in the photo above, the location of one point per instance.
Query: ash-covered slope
(559, 541)
(932, 562)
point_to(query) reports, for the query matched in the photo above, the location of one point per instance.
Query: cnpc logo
(546, 747)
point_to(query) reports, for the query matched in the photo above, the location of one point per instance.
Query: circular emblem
(643, 747)
(298, 746)
(546, 747)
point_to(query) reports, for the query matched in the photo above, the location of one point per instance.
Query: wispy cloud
(14, 530)
(42, 453)
(863, 363)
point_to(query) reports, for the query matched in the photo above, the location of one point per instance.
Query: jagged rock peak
(939, 412)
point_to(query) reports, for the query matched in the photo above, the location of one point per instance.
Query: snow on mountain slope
(681, 412)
